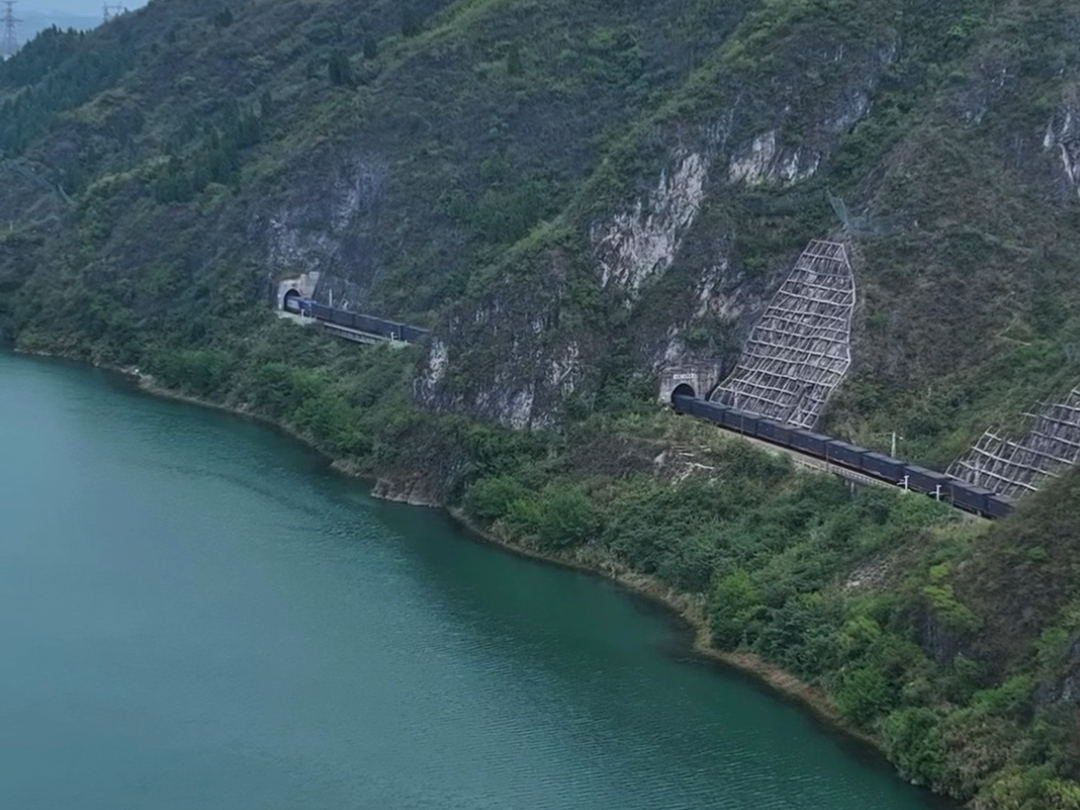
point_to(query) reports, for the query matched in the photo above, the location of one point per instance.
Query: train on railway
(368, 324)
(960, 494)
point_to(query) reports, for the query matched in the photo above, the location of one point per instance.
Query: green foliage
(943, 602)
(1030, 789)
(66, 70)
(514, 64)
(202, 372)
(339, 69)
(410, 21)
(567, 517)
(371, 47)
(491, 499)
(735, 602)
(863, 694)
(214, 159)
(223, 18)
(914, 742)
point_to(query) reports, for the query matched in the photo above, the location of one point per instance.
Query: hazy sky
(89, 8)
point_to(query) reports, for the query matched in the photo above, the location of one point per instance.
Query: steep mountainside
(574, 196)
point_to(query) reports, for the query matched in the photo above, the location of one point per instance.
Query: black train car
(703, 409)
(734, 419)
(883, 466)
(997, 506)
(715, 412)
(731, 418)
(969, 496)
(700, 408)
(774, 432)
(321, 311)
(743, 421)
(806, 441)
(374, 326)
(928, 481)
(840, 452)
(412, 334)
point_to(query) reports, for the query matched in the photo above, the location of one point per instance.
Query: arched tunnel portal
(291, 301)
(682, 390)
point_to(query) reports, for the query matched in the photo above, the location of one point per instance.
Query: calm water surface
(194, 613)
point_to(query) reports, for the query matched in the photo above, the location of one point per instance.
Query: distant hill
(32, 22)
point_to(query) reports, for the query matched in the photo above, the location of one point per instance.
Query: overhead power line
(9, 41)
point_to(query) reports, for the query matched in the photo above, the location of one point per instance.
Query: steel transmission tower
(9, 41)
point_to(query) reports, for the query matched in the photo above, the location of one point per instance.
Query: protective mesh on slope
(1014, 467)
(800, 349)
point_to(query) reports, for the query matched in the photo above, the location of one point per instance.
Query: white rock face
(563, 370)
(438, 361)
(636, 246)
(517, 410)
(512, 407)
(763, 162)
(308, 232)
(1063, 137)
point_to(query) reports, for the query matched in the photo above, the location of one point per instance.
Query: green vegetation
(457, 163)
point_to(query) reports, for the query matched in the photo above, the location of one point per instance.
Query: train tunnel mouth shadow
(292, 297)
(682, 390)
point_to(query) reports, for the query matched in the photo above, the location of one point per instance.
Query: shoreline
(682, 606)
(684, 609)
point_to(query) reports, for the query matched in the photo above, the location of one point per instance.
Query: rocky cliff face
(323, 223)
(1062, 141)
(575, 203)
(1066, 687)
(523, 355)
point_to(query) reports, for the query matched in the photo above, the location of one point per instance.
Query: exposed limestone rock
(721, 294)
(636, 246)
(322, 231)
(562, 373)
(763, 162)
(1062, 139)
(1065, 689)
(438, 360)
(514, 358)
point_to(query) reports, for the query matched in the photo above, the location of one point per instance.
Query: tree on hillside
(340, 69)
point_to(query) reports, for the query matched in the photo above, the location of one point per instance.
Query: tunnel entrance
(291, 301)
(682, 390)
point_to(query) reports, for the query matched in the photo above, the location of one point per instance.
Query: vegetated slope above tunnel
(624, 199)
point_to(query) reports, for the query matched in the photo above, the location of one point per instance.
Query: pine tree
(340, 69)
(514, 66)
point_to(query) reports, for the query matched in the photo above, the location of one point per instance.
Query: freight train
(391, 330)
(842, 454)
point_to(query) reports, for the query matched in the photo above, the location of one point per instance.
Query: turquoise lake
(195, 612)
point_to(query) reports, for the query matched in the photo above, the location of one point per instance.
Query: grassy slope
(950, 642)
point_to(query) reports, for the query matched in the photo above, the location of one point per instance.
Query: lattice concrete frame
(1012, 468)
(800, 350)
